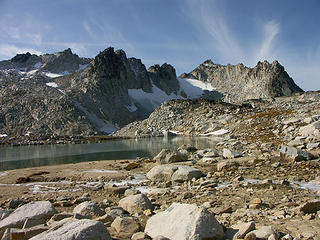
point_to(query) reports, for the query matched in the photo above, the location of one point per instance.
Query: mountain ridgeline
(64, 94)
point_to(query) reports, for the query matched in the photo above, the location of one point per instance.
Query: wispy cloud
(270, 30)
(103, 33)
(207, 17)
(26, 30)
(8, 51)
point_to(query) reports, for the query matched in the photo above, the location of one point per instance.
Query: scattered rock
(227, 153)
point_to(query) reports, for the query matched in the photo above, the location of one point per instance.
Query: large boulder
(186, 173)
(136, 203)
(176, 173)
(73, 229)
(311, 129)
(39, 211)
(295, 154)
(184, 222)
(168, 156)
(127, 225)
(89, 209)
(161, 172)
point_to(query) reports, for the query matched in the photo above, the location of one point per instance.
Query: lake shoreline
(52, 140)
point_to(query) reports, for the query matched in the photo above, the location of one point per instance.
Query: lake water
(32, 156)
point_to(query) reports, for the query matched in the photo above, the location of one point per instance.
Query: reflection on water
(31, 156)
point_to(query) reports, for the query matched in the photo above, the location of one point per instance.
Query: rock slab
(184, 222)
(76, 230)
(38, 210)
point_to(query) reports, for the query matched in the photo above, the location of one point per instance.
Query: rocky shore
(260, 181)
(221, 193)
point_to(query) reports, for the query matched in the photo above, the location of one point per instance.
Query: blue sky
(183, 33)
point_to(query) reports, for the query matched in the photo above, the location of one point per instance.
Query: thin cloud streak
(271, 30)
(8, 51)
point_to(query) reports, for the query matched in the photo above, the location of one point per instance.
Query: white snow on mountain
(100, 124)
(150, 101)
(194, 88)
(52, 84)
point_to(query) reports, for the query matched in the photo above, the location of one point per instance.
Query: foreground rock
(37, 212)
(136, 203)
(72, 229)
(184, 221)
(88, 209)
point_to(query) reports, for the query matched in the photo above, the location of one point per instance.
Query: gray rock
(295, 154)
(128, 225)
(243, 229)
(227, 153)
(226, 164)
(186, 173)
(161, 172)
(311, 129)
(89, 209)
(176, 173)
(168, 156)
(263, 233)
(136, 203)
(184, 221)
(4, 213)
(39, 210)
(72, 229)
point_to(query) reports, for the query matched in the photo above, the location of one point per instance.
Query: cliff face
(239, 83)
(63, 94)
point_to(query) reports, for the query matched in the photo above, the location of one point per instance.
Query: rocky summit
(239, 83)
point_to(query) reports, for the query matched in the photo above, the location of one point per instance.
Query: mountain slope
(84, 96)
(239, 83)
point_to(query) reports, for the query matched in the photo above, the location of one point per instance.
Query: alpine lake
(14, 157)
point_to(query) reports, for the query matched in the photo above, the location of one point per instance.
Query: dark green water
(32, 156)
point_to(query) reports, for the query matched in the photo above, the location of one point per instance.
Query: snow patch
(52, 75)
(102, 125)
(194, 88)
(216, 133)
(176, 132)
(137, 179)
(151, 101)
(52, 84)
